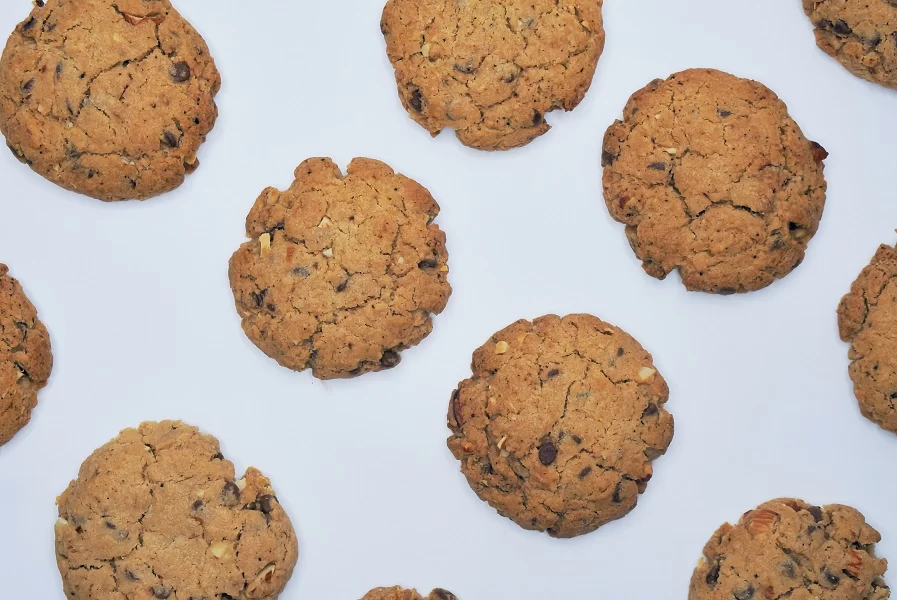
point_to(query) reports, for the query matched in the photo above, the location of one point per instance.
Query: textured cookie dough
(860, 34)
(25, 357)
(343, 272)
(790, 549)
(559, 425)
(111, 99)
(397, 593)
(491, 70)
(712, 177)
(157, 513)
(867, 319)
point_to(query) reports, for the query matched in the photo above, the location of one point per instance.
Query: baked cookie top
(397, 593)
(111, 99)
(559, 425)
(343, 272)
(790, 549)
(712, 177)
(867, 318)
(860, 34)
(158, 513)
(491, 70)
(25, 356)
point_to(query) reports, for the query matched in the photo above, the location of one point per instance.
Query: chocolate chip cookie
(25, 356)
(860, 34)
(790, 549)
(397, 593)
(712, 177)
(559, 425)
(867, 319)
(158, 513)
(343, 272)
(111, 99)
(491, 70)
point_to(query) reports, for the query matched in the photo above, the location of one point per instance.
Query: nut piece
(135, 20)
(646, 374)
(856, 563)
(241, 484)
(328, 252)
(265, 243)
(325, 223)
(502, 347)
(220, 549)
(760, 521)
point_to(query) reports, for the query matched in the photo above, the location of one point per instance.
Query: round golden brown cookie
(559, 425)
(397, 593)
(108, 98)
(343, 272)
(158, 513)
(492, 69)
(712, 177)
(860, 34)
(790, 549)
(25, 357)
(867, 318)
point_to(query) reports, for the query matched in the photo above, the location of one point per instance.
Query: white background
(143, 325)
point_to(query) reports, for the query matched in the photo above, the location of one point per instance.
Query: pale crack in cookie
(397, 593)
(158, 513)
(560, 423)
(492, 70)
(790, 549)
(109, 99)
(867, 319)
(711, 176)
(343, 272)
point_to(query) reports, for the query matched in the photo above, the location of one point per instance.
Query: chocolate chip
(658, 166)
(650, 411)
(456, 407)
(266, 503)
(510, 77)
(713, 575)
(607, 158)
(819, 153)
(466, 69)
(29, 24)
(416, 100)
(343, 285)
(130, 576)
(620, 352)
(197, 505)
(547, 453)
(218, 456)
(58, 72)
(894, 396)
(230, 494)
(390, 360)
(745, 593)
(553, 373)
(301, 272)
(618, 494)
(259, 297)
(789, 570)
(842, 28)
(816, 512)
(792, 226)
(723, 113)
(161, 592)
(27, 87)
(169, 140)
(537, 117)
(831, 577)
(584, 473)
(427, 264)
(110, 525)
(576, 439)
(440, 594)
(727, 291)
(39, 3)
(179, 72)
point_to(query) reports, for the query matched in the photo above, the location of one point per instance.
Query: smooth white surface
(143, 325)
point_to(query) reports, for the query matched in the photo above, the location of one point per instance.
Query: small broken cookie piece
(713, 178)
(108, 99)
(790, 549)
(492, 70)
(859, 34)
(560, 423)
(342, 272)
(158, 513)
(867, 319)
(397, 593)
(25, 356)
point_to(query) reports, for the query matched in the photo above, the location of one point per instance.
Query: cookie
(25, 356)
(712, 177)
(158, 513)
(343, 272)
(491, 70)
(859, 34)
(559, 425)
(397, 593)
(790, 549)
(867, 319)
(111, 99)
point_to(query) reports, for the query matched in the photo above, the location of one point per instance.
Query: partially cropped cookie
(867, 319)
(491, 70)
(342, 272)
(157, 513)
(397, 593)
(560, 422)
(860, 34)
(25, 356)
(111, 99)
(790, 549)
(711, 176)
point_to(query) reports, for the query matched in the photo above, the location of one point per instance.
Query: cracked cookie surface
(712, 177)
(789, 549)
(867, 319)
(559, 425)
(397, 593)
(158, 514)
(111, 99)
(860, 34)
(343, 272)
(25, 356)
(491, 70)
